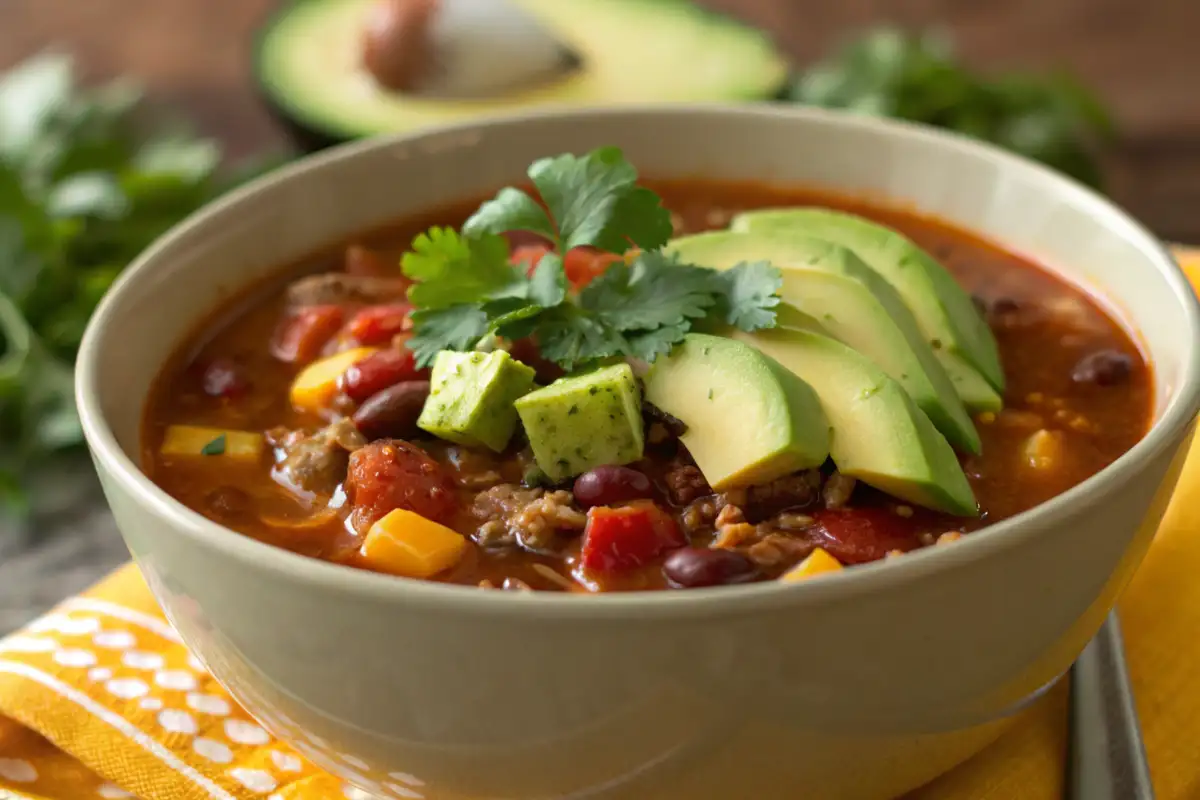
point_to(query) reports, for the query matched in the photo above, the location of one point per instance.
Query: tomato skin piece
(303, 333)
(391, 474)
(859, 535)
(529, 255)
(376, 325)
(379, 371)
(627, 537)
(584, 264)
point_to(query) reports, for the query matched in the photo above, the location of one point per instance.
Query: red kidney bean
(377, 372)
(1103, 368)
(223, 377)
(609, 485)
(392, 413)
(693, 567)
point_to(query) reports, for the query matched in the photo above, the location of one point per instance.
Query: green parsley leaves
(640, 306)
(214, 448)
(592, 201)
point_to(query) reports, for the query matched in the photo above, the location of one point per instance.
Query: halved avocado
(309, 65)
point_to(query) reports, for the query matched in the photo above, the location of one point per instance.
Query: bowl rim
(711, 602)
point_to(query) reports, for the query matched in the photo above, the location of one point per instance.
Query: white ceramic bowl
(863, 684)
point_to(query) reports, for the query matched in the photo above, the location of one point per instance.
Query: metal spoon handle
(1106, 760)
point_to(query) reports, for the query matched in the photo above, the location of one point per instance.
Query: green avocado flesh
(749, 420)
(471, 398)
(854, 305)
(584, 421)
(309, 63)
(878, 435)
(944, 311)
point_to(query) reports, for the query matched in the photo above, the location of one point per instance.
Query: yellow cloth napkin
(99, 699)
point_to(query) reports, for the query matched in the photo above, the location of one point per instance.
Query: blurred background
(1104, 90)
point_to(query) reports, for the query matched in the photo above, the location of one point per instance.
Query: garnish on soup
(570, 387)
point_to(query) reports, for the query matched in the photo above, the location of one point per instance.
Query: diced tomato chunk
(365, 262)
(391, 474)
(859, 535)
(305, 331)
(378, 324)
(378, 371)
(628, 536)
(585, 263)
(529, 254)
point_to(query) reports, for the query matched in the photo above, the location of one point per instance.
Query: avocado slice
(584, 421)
(308, 63)
(878, 435)
(709, 382)
(944, 311)
(471, 398)
(854, 305)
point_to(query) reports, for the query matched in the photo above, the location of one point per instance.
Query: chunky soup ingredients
(804, 407)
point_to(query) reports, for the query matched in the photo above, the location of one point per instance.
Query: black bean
(693, 567)
(393, 412)
(608, 485)
(1103, 368)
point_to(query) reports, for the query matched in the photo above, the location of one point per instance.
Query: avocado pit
(460, 48)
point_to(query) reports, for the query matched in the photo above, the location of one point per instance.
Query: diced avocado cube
(584, 421)
(471, 398)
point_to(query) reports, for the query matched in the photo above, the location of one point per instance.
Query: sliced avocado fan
(854, 305)
(877, 434)
(309, 64)
(949, 320)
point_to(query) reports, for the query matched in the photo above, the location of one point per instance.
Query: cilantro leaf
(214, 448)
(548, 284)
(640, 306)
(510, 210)
(453, 269)
(654, 291)
(596, 201)
(748, 295)
(570, 336)
(456, 327)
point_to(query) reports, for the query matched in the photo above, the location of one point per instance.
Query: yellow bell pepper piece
(316, 384)
(405, 543)
(817, 563)
(192, 440)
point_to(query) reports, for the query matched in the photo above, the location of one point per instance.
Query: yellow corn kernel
(818, 562)
(191, 440)
(405, 543)
(316, 385)
(1044, 449)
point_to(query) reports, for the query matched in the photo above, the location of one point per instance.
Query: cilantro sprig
(640, 306)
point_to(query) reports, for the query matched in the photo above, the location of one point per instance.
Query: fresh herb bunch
(1049, 118)
(83, 189)
(640, 306)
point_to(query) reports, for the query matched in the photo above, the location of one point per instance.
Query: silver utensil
(1106, 759)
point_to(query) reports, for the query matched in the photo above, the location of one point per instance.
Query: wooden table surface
(1140, 55)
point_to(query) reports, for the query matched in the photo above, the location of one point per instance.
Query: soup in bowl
(649, 453)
